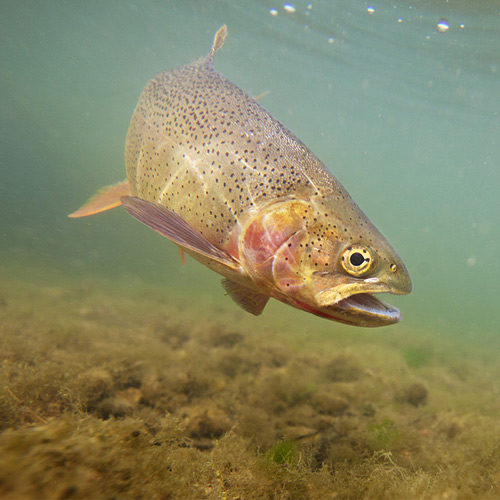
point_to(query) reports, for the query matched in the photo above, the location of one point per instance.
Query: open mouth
(360, 309)
(366, 309)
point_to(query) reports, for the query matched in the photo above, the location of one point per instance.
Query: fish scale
(209, 168)
(198, 132)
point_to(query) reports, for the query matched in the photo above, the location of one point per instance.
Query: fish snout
(398, 279)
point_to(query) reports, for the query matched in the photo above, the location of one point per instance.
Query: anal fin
(175, 228)
(248, 299)
(105, 199)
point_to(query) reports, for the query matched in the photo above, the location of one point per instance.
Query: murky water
(400, 100)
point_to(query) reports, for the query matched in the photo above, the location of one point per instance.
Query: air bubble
(331, 39)
(443, 25)
(371, 10)
(289, 7)
(273, 12)
(472, 261)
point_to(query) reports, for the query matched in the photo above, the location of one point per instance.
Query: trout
(210, 169)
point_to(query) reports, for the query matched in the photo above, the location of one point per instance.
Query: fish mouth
(365, 309)
(361, 309)
(355, 303)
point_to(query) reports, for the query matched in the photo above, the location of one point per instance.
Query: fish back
(204, 148)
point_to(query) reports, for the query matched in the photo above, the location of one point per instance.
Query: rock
(342, 369)
(296, 432)
(416, 395)
(330, 405)
(206, 420)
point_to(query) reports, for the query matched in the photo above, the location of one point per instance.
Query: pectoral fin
(105, 199)
(248, 299)
(175, 228)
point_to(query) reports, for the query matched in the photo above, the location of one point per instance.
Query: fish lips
(353, 302)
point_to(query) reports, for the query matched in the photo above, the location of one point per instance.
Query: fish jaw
(340, 298)
(354, 301)
(362, 309)
(339, 288)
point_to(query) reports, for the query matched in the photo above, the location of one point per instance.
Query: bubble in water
(471, 261)
(273, 12)
(331, 39)
(400, 19)
(462, 25)
(309, 6)
(370, 10)
(443, 25)
(289, 7)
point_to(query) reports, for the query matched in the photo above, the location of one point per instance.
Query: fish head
(328, 262)
(346, 291)
(345, 261)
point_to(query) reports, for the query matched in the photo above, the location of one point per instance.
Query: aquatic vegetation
(384, 435)
(284, 452)
(96, 401)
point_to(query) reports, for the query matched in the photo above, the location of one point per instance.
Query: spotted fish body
(212, 170)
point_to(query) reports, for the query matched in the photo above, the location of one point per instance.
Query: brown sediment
(112, 392)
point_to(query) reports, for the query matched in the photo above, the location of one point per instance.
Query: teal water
(406, 117)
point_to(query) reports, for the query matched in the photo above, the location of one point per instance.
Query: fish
(209, 168)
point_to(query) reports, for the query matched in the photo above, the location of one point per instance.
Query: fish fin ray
(248, 299)
(106, 198)
(175, 228)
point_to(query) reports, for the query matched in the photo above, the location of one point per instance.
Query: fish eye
(357, 260)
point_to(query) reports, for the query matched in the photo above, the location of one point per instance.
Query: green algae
(284, 452)
(112, 392)
(384, 436)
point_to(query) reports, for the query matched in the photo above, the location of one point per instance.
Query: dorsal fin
(219, 39)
